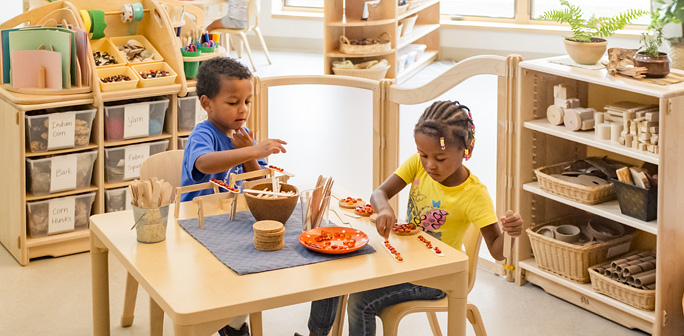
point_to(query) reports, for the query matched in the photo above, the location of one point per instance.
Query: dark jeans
(364, 306)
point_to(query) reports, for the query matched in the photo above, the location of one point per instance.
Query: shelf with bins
(343, 18)
(541, 144)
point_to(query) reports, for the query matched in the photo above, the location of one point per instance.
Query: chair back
(165, 165)
(471, 245)
(253, 10)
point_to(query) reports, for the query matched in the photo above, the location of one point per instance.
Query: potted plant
(657, 63)
(673, 12)
(587, 46)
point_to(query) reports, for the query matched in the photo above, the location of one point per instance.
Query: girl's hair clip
(441, 143)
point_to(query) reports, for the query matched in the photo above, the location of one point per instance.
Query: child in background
(445, 199)
(236, 18)
(221, 145)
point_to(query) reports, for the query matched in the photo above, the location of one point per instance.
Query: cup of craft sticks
(315, 204)
(150, 205)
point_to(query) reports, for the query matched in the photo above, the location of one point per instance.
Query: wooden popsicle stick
(507, 251)
(41, 77)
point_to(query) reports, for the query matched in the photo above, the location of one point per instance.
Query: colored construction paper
(26, 66)
(32, 39)
(4, 38)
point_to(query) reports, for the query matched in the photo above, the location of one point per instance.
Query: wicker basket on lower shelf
(635, 297)
(374, 73)
(572, 191)
(572, 261)
(383, 45)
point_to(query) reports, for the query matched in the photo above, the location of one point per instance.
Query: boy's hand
(512, 224)
(385, 221)
(270, 146)
(241, 138)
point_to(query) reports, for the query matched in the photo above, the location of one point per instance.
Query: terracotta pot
(269, 208)
(657, 66)
(586, 52)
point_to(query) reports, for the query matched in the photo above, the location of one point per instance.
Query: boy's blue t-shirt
(206, 138)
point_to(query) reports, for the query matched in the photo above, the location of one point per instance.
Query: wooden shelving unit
(156, 27)
(540, 144)
(343, 18)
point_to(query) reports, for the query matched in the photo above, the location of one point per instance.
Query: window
(520, 11)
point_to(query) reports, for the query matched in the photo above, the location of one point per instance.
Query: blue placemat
(232, 243)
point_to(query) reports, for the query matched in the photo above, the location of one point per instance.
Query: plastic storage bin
(120, 168)
(117, 128)
(39, 172)
(401, 62)
(123, 40)
(190, 113)
(104, 45)
(40, 215)
(42, 136)
(116, 86)
(118, 199)
(182, 142)
(159, 81)
(418, 48)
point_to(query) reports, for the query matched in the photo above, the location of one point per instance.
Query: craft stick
(274, 182)
(41, 77)
(200, 212)
(265, 192)
(507, 251)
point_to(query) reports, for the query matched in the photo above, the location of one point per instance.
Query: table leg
(100, 279)
(156, 319)
(339, 316)
(256, 324)
(456, 287)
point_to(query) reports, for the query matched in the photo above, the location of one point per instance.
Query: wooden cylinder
(599, 117)
(629, 138)
(615, 130)
(580, 118)
(555, 115)
(603, 131)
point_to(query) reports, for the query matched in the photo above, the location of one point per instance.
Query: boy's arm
(380, 202)
(216, 162)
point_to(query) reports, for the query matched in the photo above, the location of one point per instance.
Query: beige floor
(51, 296)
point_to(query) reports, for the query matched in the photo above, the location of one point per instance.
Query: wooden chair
(253, 9)
(391, 316)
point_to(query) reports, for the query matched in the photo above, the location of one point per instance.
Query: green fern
(583, 30)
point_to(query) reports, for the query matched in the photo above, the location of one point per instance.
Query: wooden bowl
(272, 208)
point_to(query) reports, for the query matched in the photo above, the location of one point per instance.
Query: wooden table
(200, 294)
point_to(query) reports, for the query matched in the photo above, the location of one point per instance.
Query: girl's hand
(512, 224)
(385, 221)
(241, 138)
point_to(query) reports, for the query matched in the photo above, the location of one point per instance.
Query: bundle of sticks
(318, 202)
(637, 270)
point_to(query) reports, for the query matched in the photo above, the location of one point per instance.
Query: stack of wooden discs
(268, 235)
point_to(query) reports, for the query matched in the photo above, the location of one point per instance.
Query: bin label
(136, 121)
(63, 173)
(62, 215)
(134, 157)
(200, 113)
(61, 130)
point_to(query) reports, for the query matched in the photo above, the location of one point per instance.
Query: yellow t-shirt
(445, 212)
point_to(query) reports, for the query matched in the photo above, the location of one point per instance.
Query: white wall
(10, 9)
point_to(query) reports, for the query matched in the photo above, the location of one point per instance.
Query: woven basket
(376, 73)
(572, 191)
(347, 48)
(635, 297)
(677, 55)
(571, 261)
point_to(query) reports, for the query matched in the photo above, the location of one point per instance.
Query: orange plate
(339, 236)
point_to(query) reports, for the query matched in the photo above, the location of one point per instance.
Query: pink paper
(26, 66)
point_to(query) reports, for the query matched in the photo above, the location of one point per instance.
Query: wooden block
(628, 115)
(560, 91)
(640, 115)
(654, 139)
(644, 130)
(624, 175)
(588, 125)
(648, 124)
(575, 118)
(599, 117)
(635, 143)
(655, 130)
(652, 116)
(629, 139)
(644, 138)
(641, 146)
(603, 131)
(639, 178)
(621, 140)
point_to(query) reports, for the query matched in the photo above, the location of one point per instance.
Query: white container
(59, 173)
(418, 48)
(401, 62)
(135, 119)
(182, 141)
(190, 113)
(123, 163)
(59, 215)
(118, 199)
(411, 58)
(59, 128)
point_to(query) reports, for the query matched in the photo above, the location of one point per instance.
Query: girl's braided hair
(449, 120)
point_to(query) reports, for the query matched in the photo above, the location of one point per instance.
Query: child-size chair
(253, 9)
(391, 316)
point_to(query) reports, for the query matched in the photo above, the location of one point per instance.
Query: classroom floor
(52, 296)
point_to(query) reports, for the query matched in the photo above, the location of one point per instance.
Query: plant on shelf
(586, 46)
(672, 11)
(649, 56)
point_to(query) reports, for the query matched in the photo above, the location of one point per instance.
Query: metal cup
(308, 222)
(150, 224)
